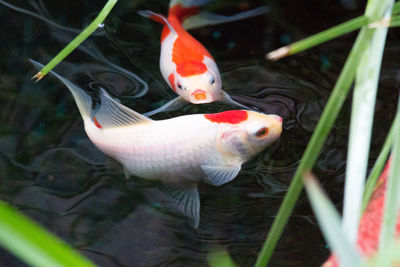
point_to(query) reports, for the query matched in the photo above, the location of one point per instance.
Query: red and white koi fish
(181, 151)
(185, 63)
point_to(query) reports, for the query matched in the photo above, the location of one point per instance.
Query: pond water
(51, 172)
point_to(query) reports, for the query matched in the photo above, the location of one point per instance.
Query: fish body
(180, 151)
(185, 64)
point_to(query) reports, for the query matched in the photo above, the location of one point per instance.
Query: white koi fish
(185, 64)
(181, 151)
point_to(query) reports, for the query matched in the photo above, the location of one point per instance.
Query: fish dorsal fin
(113, 114)
(156, 17)
(205, 18)
(219, 175)
(186, 199)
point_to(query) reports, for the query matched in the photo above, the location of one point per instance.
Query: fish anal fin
(219, 175)
(186, 199)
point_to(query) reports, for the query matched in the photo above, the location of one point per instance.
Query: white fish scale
(167, 150)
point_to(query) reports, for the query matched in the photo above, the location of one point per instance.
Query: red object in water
(370, 223)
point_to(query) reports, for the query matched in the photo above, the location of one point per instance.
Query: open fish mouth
(200, 96)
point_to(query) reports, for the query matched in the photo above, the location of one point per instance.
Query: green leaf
(329, 221)
(77, 40)
(34, 245)
(362, 115)
(392, 198)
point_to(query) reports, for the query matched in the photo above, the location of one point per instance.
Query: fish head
(250, 134)
(200, 88)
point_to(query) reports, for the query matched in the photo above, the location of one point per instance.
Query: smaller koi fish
(181, 151)
(185, 64)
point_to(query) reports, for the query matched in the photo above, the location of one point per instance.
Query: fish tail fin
(83, 100)
(184, 9)
(156, 17)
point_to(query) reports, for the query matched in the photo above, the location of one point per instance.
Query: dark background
(51, 172)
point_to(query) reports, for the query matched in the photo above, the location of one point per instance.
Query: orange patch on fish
(190, 68)
(97, 123)
(171, 79)
(231, 116)
(187, 52)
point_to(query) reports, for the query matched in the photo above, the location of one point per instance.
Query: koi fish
(181, 151)
(185, 64)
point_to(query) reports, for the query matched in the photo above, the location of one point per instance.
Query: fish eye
(262, 132)
(212, 81)
(180, 86)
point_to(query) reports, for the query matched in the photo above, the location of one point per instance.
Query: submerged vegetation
(362, 69)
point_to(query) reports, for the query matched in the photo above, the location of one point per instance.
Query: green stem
(378, 166)
(318, 38)
(78, 40)
(311, 153)
(327, 35)
(34, 245)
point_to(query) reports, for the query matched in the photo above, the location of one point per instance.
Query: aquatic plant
(363, 67)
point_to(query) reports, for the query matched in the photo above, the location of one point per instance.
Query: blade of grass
(362, 115)
(318, 138)
(341, 29)
(34, 245)
(379, 164)
(392, 198)
(220, 258)
(77, 41)
(329, 221)
(327, 35)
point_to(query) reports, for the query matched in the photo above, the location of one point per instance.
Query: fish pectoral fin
(186, 199)
(206, 18)
(226, 98)
(113, 114)
(174, 104)
(219, 175)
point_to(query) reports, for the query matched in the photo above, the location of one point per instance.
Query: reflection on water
(53, 173)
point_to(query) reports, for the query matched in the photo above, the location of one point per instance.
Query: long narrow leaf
(78, 40)
(362, 115)
(34, 245)
(329, 221)
(311, 153)
(329, 34)
(392, 199)
(379, 164)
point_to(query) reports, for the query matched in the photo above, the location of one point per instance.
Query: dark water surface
(50, 170)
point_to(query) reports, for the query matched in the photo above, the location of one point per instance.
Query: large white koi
(181, 151)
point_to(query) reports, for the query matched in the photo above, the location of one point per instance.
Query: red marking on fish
(231, 116)
(171, 79)
(182, 13)
(97, 123)
(191, 68)
(370, 223)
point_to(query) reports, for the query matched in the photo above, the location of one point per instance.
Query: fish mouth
(199, 96)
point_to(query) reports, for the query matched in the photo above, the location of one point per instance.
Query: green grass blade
(318, 138)
(329, 221)
(379, 164)
(34, 245)
(329, 34)
(78, 40)
(346, 27)
(392, 199)
(362, 115)
(220, 258)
